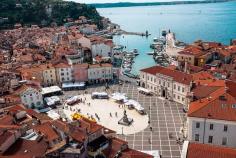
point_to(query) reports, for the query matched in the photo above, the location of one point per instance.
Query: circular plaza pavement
(106, 110)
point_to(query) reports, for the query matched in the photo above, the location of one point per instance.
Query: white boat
(150, 53)
(127, 69)
(135, 51)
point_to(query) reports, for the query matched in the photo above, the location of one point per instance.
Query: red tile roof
(214, 107)
(47, 129)
(203, 75)
(4, 135)
(231, 88)
(197, 150)
(27, 148)
(78, 135)
(116, 145)
(131, 153)
(192, 50)
(176, 75)
(91, 126)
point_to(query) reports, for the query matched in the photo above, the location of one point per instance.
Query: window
(62, 69)
(183, 89)
(168, 84)
(62, 74)
(174, 95)
(178, 88)
(143, 76)
(225, 128)
(178, 97)
(182, 99)
(211, 126)
(198, 125)
(174, 86)
(159, 81)
(196, 137)
(189, 58)
(210, 139)
(224, 141)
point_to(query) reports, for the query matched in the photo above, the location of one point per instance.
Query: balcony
(97, 146)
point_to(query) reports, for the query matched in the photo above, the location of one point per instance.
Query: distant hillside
(130, 4)
(44, 12)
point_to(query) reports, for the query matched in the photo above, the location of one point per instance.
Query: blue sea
(208, 22)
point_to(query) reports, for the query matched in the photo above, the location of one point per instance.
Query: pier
(120, 32)
(171, 48)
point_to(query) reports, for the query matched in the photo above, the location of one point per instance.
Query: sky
(113, 1)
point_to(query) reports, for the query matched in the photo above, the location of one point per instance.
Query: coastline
(130, 4)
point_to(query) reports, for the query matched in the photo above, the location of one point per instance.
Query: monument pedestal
(125, 120)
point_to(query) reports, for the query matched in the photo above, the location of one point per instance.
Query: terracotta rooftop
(61, 125)
(100, 65)
(192, 50)
(78, 135)
(89, 125)
(47, 129)
(231, 87)
(4, 135)
(197, 150)
(203, 75)
(27, 148)
(177, 76)
(202, 91)
(116, 144)
(218, 105)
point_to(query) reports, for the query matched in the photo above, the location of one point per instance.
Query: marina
(164, 49)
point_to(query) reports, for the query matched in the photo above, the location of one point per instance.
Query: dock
(120, 32)
(171, 48)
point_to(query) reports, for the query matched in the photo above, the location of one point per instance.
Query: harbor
(163, 48)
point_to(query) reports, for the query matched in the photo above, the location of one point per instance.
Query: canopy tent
(144, 90)
(135, 104)
(119, 97)
(52, 114)
(73, 85)
(73, 100)
(50, 90)
(52, 100)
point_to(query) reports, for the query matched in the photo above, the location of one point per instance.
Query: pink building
(80, 72)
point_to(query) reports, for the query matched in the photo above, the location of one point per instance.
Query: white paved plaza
(103, 108)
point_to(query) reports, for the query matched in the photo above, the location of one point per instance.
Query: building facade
(169, 84)
(64, 73)
(100, 73)
(30, 97)
(212, 120)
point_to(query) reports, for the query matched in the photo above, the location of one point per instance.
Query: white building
(212, 120)
(49, 75)
(64, 73)
(30, 96)
(101, 46)
(101, 49)
(100, 73)
(170, 84)
(84, 42)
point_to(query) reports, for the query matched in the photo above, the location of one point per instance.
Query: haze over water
(209, 22)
